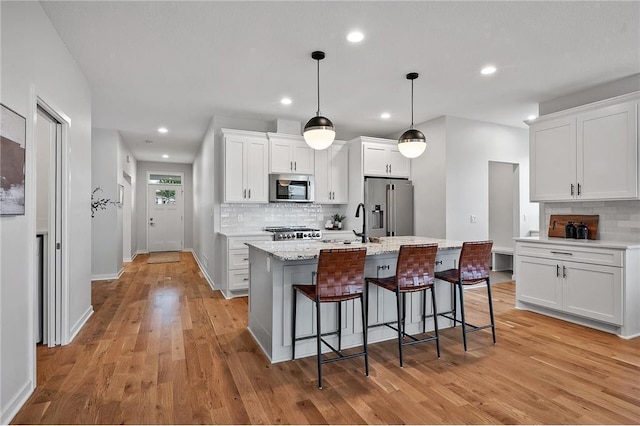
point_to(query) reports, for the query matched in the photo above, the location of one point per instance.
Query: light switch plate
(473, 218)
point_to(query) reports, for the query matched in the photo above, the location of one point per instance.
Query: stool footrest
(329, 333)
(404, 334)
(340, 355)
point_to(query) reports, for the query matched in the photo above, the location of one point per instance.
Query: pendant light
(319, 132)
(412, 143)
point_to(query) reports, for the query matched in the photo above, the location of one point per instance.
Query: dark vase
(582, 232)
(570, 230)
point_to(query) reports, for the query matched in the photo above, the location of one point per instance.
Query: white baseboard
(16, 403)
(80, 323)
(103, 277)
(202, 269)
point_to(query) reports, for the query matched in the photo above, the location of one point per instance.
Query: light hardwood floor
(162, 347)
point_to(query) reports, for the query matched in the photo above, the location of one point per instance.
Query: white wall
(35, 61)
(502, 203)
(104, 166)
(429, 185)
(470, 146)
(141, 207)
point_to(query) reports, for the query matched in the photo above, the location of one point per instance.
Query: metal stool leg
(364, 334)
(493, 324)
(319, 340)
(400, 321)
(424, 311)
(339, 326)
(464, 324)
(455, 307)
(293, 324)
(435, 318)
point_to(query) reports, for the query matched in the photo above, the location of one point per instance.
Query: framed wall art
(13, 128)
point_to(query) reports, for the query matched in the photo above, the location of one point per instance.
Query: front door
(165, 224)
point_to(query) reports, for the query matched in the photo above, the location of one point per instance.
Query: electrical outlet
(473, 218)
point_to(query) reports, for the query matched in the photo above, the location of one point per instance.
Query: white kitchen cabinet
(331, 174)
(290, 154)
(236, 264)
(579, 281)
(384, 159)
(586, 153)
(246, 165)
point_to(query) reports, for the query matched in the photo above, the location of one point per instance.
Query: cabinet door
(539, 281)
(281, 157)
(234, 170)
(593, 291)
(608, 152)
(303, 156)
(553, 160)
(257, 163)
(238, 279)
(375, 159)
(399, 165)
(322, 176)
(339, 174)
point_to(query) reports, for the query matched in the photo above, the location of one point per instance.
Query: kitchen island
(274, 266)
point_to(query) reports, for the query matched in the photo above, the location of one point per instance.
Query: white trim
(633, 96)
(16, 403)
(81, 322)
(104, 277)
(140, 252)
(203, 270)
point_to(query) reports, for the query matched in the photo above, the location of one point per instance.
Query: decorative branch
(99, 203)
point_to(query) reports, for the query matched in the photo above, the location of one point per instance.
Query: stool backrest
(416, 264)
(340, 272)
(475, 260)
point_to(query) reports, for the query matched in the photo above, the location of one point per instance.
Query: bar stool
(339, 277)
(414, 272)
(473, 268)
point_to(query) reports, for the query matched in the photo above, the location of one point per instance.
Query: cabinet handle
(244, 193)
(389, 168)
(333, 195)
(245, 279)
(291, 168)
(438, 262)
(246, 258)
(249, 193)
(579, 191)
(557, 271)
(562, 252)
(386, 168)
(571, 189)
(295, 166)
(564, 271)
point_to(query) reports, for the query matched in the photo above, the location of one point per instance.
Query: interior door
(165, 224)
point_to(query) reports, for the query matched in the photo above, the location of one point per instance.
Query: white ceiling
(176, 64)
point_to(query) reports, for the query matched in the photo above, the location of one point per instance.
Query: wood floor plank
(164, 348)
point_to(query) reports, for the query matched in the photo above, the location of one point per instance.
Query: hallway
(162, 347)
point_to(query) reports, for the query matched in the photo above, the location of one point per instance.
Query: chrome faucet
(363, 234)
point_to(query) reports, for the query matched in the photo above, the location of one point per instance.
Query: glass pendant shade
(412, 143)
(319, 132)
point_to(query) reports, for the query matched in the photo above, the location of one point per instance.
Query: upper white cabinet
(246, 167)
(384, 159)
(586, 153)
(331, 174)
(290, 154)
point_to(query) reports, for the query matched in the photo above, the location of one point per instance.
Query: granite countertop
(624, 245)
(305, 250)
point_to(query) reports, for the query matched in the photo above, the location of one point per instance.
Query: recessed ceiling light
(165, 156)
(355, 37)
(488, 70)
(385, 115)
(162, 129)
(532, 117)
(285, 101)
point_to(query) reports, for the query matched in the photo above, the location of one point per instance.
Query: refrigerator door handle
(391, 210)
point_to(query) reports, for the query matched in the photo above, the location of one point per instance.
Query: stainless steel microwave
(291, 188)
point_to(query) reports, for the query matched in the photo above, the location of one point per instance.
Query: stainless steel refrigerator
(389, 207)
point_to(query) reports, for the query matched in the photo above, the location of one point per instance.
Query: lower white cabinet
(580, 281)
(236, 268)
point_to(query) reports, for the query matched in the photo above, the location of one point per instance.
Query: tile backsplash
(254, 217)
(619, 220)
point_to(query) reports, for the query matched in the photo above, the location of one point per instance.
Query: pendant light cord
(318, 81)
(412, 104)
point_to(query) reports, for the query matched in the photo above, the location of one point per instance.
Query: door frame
(147, 185)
